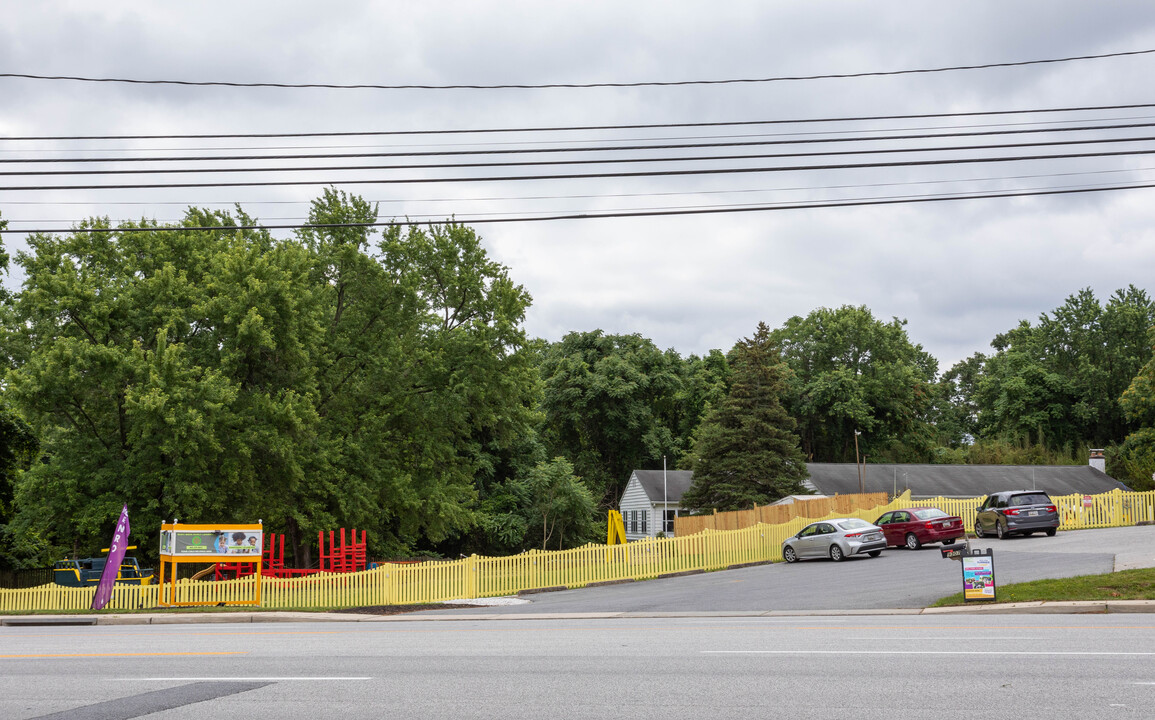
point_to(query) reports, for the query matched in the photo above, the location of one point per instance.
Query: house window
(645, 517)
(669, 524)
(633, 521)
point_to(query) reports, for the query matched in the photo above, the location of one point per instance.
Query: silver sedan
(835, 539)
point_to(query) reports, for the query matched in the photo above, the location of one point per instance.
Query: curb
(1029, 608)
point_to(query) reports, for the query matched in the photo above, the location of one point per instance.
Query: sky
(958, 272)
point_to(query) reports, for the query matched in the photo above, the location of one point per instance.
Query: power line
(604, 215)
(675, 83)
(586, 176)
(579, 149)
(573, 128)
(586, 196)
(564, 162)
(485, 216)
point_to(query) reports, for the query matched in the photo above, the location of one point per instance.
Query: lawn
(1123, 585)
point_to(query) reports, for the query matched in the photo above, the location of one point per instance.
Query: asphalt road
(1036, 666)
(897, 579)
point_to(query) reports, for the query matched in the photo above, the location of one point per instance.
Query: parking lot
(898, 579)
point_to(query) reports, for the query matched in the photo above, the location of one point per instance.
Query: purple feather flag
(112, 564)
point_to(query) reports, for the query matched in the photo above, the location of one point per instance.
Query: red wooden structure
(343, 556)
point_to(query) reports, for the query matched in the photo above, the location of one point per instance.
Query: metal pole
(857, 462)
(665, 497)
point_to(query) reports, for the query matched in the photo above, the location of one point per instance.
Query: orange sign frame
(169, 557)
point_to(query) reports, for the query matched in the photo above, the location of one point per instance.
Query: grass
(1136, 584)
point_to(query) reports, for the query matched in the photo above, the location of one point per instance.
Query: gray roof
(967, 481)
(676, 483)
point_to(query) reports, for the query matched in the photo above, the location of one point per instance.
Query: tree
(746, 451)
(610, 406)
(1134, 460)
(956, 413)
(557, 505)
(223, 375)
(852, 372)
(1058, 383)
(18, 448)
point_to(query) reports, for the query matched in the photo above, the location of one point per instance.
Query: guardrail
(479, 577)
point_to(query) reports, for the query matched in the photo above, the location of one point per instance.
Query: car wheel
(874, 553)
(912, 542)
(1051, 532)
(789, 555)
(836, 553)
(1000, 531)
(979, 529)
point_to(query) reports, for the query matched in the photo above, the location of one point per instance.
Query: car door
(804, 543)
(900, 525)
(983, 516)
(884, 523)
(822, 539)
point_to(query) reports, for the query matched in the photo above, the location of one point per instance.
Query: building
(649, 496)
(650, 492)
(959, 481)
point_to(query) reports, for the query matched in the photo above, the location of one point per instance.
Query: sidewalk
(1032, 608)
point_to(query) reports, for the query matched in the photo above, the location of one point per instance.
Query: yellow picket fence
(479, 577)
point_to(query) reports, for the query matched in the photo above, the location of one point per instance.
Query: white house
(650, 496)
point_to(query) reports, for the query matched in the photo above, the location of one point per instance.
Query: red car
(914, 527)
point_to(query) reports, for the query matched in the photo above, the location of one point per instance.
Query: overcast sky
(959, 272)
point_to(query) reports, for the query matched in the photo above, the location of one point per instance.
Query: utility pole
(857, 462)
(665, 497)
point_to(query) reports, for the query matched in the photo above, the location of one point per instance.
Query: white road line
(932, 638)
(918, 652)
(232, 679)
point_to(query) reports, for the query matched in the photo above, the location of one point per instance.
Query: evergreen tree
(746, 452)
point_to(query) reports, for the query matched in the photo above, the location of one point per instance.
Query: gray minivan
(1017, 511)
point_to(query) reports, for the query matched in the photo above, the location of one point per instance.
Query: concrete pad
(124, 620)
(48, 620)
(1131, 606)
(183, 618)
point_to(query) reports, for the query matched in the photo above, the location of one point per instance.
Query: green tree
(956, 413)
(1057, 383)
(1133, 461)
(853, 372)
(557, 506)
(610, 405)
(746, 451)
(224, 375)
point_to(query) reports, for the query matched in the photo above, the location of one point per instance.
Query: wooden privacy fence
(778, 514)
(479, 577)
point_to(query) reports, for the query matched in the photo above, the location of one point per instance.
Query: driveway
(897, 579)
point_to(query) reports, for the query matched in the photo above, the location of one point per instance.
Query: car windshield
(929, 514)
(1029, 499)
(853, 524)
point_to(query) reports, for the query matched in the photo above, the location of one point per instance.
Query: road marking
(936, 637)
(234, 679)
(920, 652)
(148, 654)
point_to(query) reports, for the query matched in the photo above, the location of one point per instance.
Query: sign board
(185, 543)
(978, 571)
(223, 541)
(1088, 501)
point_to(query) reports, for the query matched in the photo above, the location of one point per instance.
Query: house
(649, 496)
(650, 491)
(959, 481)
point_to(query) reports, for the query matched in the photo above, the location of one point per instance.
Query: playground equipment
(87, 571)
(615, 529)
(345, 554)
